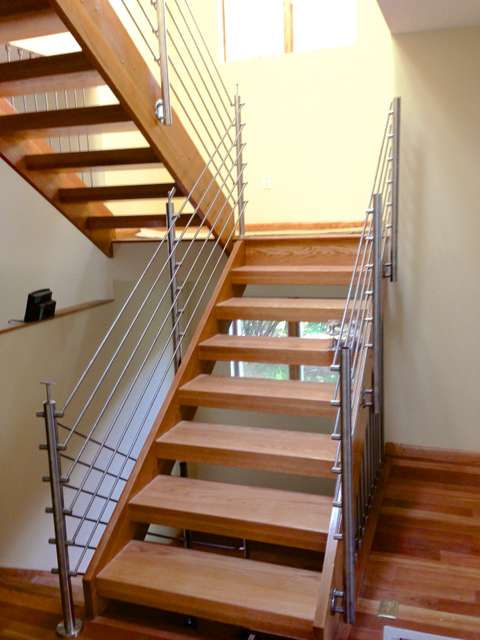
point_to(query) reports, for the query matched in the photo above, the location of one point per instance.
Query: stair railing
(95, 436)
(359, 392)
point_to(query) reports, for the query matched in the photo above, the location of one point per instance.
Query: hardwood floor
(425, 556)
(426, 552)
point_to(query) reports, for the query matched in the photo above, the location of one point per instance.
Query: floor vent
(404, 634)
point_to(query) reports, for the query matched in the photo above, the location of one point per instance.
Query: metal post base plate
(62, 632)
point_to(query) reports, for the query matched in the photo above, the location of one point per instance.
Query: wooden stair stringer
(14, 148)
(106, 42)
(121, 529)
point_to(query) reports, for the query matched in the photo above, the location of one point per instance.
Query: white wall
(40, 248)
(433, 348)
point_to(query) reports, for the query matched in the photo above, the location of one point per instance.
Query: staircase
(156, 407)
(268, 597)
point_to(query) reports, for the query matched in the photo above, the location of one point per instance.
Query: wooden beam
(81, 159)
(65, 121)
(150, 221)
(14, 148)
(23, 19)
(103, 37)
(47, 73)
(121, 192)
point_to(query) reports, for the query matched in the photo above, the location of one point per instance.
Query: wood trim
(61, 313)
(146, 221)
(14, 148)
(288, 25)
(105, 40)
(433, 454)
(275, 227)
(121, 529)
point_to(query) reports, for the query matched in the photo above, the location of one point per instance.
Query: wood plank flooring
(426, 552)
(425, 556)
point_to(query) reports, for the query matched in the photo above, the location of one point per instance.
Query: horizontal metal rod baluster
(92, 440)
(147, 17)
(192, 57)
(194, 103)
(76, 545)
(87, 519)
(88, 492)
(154, 400)
(65, 456)
(132, 323)
(209, 53)
(133, 382)
(140, 31)
(381, 153)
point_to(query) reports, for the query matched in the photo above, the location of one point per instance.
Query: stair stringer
(120, 529)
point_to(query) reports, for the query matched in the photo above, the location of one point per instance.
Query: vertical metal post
(240, 166)
(348, 498)
(70, 627)
(163, 107)
(378, 319)
(397, 112)
(174, 290)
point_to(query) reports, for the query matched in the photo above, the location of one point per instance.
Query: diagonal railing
(361, 334)
(96, 434)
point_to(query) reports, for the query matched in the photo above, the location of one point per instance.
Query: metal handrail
(361, 331)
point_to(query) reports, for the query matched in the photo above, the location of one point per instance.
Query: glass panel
(253, 28)
(319, 24)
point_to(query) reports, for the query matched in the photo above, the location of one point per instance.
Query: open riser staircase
(180, 480)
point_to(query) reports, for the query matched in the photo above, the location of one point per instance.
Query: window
(253, 28)
(275, 371)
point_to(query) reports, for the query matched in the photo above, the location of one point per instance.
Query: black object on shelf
(40, 306)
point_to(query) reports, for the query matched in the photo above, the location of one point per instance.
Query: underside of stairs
(26, 134)
(197, 572)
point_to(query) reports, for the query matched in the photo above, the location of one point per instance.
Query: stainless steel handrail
(361, 332)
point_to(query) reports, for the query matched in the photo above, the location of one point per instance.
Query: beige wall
(433, 348)
(314, 122)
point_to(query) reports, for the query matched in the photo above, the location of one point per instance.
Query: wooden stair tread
(24, 19)
(294, 274)
(75, 160)
(296, 452)
(138, 221)
(66, 121)
(290, 309)
(119, 192)
(48, 73)
(255, 595)
(308, 351)
(269, 515)
(259, 394)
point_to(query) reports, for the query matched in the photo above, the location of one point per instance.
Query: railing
(95, 437)
(361, 333)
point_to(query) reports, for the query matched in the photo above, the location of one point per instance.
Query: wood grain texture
(150, 221)
(297, 452)
(286, 518)
(40, 124)
(72, 161)
(327, 250)
(13, 149)
(19, 22)
(247, 593)
(289, 309)
(316, 352)
(425, 551)
(117, 192)
(105, 40)
(302, 274)
(259, 394)
(47, 73)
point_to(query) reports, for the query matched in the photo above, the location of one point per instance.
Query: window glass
(319, 24)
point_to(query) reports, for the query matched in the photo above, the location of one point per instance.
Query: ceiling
(403, 16)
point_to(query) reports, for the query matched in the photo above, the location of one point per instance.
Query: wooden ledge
(61, 313)
(432, 454)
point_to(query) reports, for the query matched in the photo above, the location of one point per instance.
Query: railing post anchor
(70, 627)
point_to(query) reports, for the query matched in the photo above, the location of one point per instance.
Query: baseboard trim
(432, 454)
